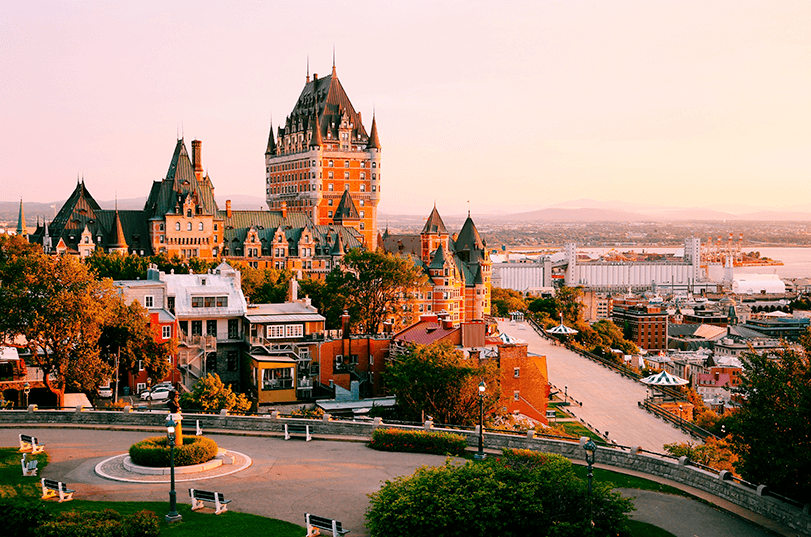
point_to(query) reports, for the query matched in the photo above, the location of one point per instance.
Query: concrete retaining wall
(756, 500)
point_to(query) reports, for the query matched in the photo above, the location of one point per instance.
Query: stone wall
(680, 471)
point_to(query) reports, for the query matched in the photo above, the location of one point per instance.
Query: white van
(106, 390)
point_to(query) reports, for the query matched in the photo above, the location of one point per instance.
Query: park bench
(29, 467)
(30, 444)
(294, 428)
(52, 488)
(322, 523)
(200, 497)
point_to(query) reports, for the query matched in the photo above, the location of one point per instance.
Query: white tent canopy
(562, 329)
(663, 378)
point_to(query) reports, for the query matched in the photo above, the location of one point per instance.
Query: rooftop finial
(333, 60)
(308, 68)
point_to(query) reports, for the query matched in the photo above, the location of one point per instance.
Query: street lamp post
(590, 447)
(565, 393)
(681, 420)
(26, 391)
(480, 456)
(173, 515)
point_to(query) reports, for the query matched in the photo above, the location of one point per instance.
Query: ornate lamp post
(480, 456)
(590, 447)
(26, 391)
(173, 515)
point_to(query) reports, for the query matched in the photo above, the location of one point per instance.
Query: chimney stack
(197, 158)
(284, 209)
(228, 212)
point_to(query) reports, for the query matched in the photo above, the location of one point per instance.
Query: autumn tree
(569, 304)
(60, 309)
(372, 286)
(264, 286)
(771, 430)
(715, 453)
(439, 381)
(211, 395)
(117, 266)
(503, 301)
(130, 340)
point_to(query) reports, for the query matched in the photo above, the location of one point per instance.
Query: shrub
(519, 494)
(106, 523)
(418, 442)
(154, 451)
(20, 517)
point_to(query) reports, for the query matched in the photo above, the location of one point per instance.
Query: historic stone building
(458, 267)
(181, 218)
(323, 163)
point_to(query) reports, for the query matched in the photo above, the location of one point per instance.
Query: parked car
(157, 393)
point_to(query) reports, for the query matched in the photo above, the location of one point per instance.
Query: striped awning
(663, 378)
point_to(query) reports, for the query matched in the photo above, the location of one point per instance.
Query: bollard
(127, 409)
(326, 417)
(428, 425)
(274, 415)
(530, 434)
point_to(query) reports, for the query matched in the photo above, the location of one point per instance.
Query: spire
(333, 60)
(271, 150)
(308, 69)
(434, 224)
(22, 230)
(315, 140)
(118, 233)
(374, 141)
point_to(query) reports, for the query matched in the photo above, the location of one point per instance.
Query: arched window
(188, 213)
(200, 226)
(177, 226)
(188, 226)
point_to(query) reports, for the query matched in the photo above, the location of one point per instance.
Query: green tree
(611, 337)
(128, 338)
(117, 266)
(503, 301)
(57, 305)
(771, 430)
(545, 307)
(522, 493)
(373, 287)
(438, 380)
(569, 304)
(211, 395)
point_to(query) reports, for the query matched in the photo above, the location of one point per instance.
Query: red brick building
(642, 323)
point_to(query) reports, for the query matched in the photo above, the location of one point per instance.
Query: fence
(756, 498)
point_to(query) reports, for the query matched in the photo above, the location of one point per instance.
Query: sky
(493, 106)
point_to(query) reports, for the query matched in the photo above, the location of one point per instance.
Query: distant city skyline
(500, 109)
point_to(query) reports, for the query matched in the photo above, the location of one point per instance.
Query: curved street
(289, 478)
(609, 399)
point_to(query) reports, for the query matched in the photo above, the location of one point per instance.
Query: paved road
(609, 399)
(289, 478)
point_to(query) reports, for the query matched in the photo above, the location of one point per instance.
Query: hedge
(106, 523)
(436, 443)
(154, 451)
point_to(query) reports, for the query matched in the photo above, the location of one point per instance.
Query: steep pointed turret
(434, 224)
(271, 150)
(119, 243)
(22, 230)
(438, 261)
(346, 210)
(374, 140)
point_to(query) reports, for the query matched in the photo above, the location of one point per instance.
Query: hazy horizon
(497, 108)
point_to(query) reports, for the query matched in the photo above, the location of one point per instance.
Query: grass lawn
(578, 429)
(195, 523)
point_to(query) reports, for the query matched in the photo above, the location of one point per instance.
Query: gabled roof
(346, 209)
(325, 99)
(438, 261)
(168, 195)
(434, 224)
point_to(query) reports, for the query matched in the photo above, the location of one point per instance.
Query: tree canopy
(372, 286)
(521, 493)
(438, 380)
(503, 301)
(771, 430)
(211, 395)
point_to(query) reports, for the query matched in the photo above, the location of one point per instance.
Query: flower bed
(154, 451)
(418, 442)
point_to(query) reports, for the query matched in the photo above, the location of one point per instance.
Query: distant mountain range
(582, 210)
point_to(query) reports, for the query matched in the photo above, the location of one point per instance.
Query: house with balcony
(281, 341)
(210, 311)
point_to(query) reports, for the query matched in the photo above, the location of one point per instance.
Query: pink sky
(510, 105)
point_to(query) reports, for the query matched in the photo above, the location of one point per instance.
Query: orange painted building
(323, 163)
(524, 381)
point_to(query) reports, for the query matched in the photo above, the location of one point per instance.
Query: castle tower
(321, 151)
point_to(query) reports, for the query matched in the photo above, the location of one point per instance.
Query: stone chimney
(228, 212)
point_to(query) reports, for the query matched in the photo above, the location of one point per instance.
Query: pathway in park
(327, 478)
(609, 399)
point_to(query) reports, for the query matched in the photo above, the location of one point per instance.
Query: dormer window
(188, 213)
